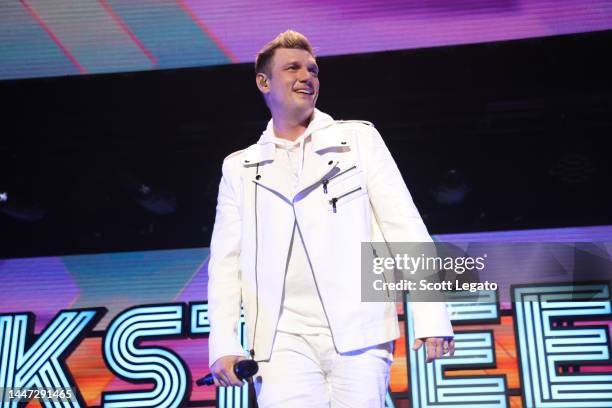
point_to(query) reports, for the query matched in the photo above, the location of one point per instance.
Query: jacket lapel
(264, 171)
(318, 165)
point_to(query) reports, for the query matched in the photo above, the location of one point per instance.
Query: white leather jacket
(350, 191)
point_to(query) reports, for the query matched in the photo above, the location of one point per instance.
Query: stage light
(20, 208)
(452, 190)
(156, 202)
(148, 196)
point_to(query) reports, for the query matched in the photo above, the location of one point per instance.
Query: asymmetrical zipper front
(301, 309)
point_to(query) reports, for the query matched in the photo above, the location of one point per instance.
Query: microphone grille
(246, 368)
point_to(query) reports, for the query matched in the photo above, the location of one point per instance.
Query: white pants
(306, 371)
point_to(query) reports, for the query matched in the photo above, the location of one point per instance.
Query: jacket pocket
(336, 181)
(346, 197)
(340, 182)
(343, 187)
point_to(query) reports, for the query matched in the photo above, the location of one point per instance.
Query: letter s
(146, 364)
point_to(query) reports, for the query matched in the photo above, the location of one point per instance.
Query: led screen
(81, 306)
(65, 37)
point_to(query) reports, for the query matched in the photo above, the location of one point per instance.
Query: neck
(290, 128)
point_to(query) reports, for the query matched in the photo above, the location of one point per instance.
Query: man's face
(293, 84)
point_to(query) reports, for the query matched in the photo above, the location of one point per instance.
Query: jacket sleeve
(224, 272)
(399, 221)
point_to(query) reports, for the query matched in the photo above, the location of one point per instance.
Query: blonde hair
(288, 39)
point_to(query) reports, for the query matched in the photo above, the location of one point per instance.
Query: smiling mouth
(305, 92)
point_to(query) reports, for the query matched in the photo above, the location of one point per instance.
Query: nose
(304, 75)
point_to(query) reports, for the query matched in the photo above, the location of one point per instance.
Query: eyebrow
(296, 62)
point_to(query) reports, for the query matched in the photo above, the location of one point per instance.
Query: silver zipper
(334, 200)
(326, 181)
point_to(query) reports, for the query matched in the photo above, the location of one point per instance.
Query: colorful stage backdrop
(41, 38)
(131, 328)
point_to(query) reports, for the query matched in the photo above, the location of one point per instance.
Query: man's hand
(223, 371)
(436, 347)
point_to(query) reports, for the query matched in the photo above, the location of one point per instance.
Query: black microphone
(243, 369)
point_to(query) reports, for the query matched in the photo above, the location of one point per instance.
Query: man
(292, 211)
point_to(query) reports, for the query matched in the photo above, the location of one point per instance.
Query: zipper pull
(333, 202)
(325, 186)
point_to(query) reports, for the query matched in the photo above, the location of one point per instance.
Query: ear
(261, 80)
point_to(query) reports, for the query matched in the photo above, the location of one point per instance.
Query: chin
(306, 110)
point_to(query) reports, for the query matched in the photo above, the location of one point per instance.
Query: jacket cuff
(430, 319)
(219, 347)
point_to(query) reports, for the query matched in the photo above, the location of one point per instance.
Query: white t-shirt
(302, 310)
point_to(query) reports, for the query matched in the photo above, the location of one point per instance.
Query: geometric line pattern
(236, 397)
(199, 318)
(157, 364)
(431, 388)
(545, 345)
(41, 364)
(485, 309)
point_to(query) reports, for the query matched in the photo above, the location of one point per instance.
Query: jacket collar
(318, 129)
